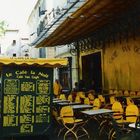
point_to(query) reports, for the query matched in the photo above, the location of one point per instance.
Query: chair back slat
(118, 109)
(132, 93)
(96, 103)
(62, 97)
(77, 99)
(70, 98)
(66, 114)
(86, 101)
(129, 101)
(81, 94)
(112, 100)
(132, 113)
(126, 93)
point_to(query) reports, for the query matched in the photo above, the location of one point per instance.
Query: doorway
(65, 75)
(92, 71)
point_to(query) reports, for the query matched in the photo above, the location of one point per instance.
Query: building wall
(122, 65)
(50, 53)
(60, 3)
(33, 22)
(7, 39)
(59, 50)
(35, 19)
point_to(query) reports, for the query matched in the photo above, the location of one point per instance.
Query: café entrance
(92, 71)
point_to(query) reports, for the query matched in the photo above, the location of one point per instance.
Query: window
(42, 53)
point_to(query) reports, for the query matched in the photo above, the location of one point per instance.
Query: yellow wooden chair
(116, 92)
(112, 100)
(96, 103)
(129, 101)
(71, 124)
(99, 118)
(77, 99)
(87, 101)
(118, 111)
(56, 117)
(138, 93)
(111, 91)
(120, 92)
(62, 97)
(70, 98)
(81, 94)
(126, 93)
(117, 118)
(132, 93)
(117, 115)
(132, 113)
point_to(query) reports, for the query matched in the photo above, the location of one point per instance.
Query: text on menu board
(26, 99)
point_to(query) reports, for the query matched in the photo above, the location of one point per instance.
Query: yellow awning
(55, 62)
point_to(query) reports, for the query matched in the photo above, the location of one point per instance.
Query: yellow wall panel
(122, 65)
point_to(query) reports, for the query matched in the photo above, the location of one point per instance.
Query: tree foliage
(3, 26)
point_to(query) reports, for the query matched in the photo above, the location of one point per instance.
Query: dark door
(92, 72)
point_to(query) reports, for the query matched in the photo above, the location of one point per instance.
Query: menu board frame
(26, 100)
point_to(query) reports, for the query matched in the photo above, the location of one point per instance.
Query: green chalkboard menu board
(26, 100)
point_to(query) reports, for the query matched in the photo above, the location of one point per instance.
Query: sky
(16, 12)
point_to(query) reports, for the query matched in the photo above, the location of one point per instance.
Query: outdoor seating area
(106, 116)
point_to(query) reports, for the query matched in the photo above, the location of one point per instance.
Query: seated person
(57, 88)
(91, 97)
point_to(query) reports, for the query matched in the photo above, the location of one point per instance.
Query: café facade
(105, 37)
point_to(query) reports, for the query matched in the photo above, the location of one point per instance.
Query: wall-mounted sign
(26, 98)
